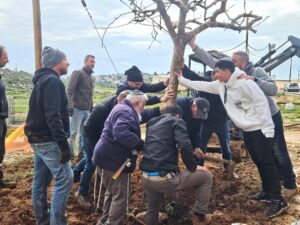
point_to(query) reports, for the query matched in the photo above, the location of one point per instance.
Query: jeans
(86, 164)
(184, 180)
(222, 131)
(281, 153)
(261, 151)
(3, 130)
(46, 166)
(76, 125)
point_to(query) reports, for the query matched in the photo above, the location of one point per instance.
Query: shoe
(83, 201)
(277, 207)
(260, 197)
(200, 219)
(7, 184)
(288, 193)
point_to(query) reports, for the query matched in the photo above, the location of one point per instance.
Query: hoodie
(48, 118)
(244, 101)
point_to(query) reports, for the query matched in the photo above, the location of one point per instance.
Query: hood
(43, 72)
(234, 77)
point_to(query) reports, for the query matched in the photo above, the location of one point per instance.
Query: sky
(66, 25)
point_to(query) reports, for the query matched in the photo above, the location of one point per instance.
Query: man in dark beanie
(135, 82)
(47, 129)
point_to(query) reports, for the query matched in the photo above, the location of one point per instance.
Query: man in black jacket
(135, 81)
(165, 136)
(47, 129)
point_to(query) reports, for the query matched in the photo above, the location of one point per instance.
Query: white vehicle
(292, 87)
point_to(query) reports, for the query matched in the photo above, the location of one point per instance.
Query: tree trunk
(177, 60)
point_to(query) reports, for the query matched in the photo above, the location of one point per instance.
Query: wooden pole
(247, 37)
(37, 33)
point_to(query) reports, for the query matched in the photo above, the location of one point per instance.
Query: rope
(233, 47)
(95, 27)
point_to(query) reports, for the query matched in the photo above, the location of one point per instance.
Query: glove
(71, 111)
(65, 153)
(140, 146)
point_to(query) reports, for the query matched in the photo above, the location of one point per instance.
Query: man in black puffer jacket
(47, 129)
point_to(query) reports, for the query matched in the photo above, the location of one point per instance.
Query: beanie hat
(51, 57)
(134, 74)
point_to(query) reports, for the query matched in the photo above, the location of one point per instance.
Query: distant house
(159, 78)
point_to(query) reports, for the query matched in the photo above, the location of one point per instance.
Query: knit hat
(202, 108)
(173, 109)
(134, 74)
(51, 57)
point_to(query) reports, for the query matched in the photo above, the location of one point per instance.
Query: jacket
(217, 113)
(48, 118)
(146, 88)
(3, 101)
(164, 135)
(245, 102)
(193, 124)
(80, 90)
(121, 134)
(266, 84)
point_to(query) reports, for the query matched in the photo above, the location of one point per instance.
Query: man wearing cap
(120, 140)
(3, 115)
(80, 100)
(217, 119)
(47, 129)
(245, 105)
(135, 82)
(166, 135)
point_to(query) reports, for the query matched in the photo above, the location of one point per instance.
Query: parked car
(292, 87)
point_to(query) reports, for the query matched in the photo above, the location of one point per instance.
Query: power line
(234, 47)
(95, 27)
(255, 49)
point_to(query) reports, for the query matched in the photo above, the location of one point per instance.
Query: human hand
(166, 82)
(169, 94)
(201, 168)
(178, 74)
(198, 153)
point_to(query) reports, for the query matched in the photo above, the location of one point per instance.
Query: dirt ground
(228, 203)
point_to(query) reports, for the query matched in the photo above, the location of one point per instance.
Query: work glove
(71, 111)
(140, 146)
(65, 153)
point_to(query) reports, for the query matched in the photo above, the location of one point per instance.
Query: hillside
(16, 82)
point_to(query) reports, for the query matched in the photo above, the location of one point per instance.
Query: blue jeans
(222, 131)
(281, 154)
(46, 166)
(86, 165)
(76, 126)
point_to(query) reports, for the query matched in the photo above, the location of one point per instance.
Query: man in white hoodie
(246, 106)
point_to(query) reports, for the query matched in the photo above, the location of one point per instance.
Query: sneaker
(288, 193)
(201, 219)
(277, 207)
(260, 197)
(83, 201)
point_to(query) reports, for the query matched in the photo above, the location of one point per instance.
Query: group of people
(110, 135)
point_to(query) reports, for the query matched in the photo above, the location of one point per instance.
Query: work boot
(201, 219)
(277, 207)
(260, 197)
(288, 193)
(83, 201)
(7, 184)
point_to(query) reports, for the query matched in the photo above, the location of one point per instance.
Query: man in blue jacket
(120, 140)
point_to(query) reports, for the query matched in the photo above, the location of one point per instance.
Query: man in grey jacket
(269, 88)
(80, 100)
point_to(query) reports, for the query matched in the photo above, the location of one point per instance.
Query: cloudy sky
(66, 25)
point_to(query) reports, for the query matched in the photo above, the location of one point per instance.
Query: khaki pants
(116, 197)
(156, 187)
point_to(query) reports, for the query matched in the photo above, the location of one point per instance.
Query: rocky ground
(228, 204)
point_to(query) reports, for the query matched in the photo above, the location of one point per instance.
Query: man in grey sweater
(269, 88)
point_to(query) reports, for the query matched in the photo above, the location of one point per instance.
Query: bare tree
(193, 17)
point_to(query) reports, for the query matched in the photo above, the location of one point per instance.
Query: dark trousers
(222, 131)
(281, 154)
(3, 130)
(184, 180)
(261, 151)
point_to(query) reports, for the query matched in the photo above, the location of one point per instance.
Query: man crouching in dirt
(47, 129)
(165, 135)
(245, 105)
(119, 142)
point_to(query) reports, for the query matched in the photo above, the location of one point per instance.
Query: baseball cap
(202, 108)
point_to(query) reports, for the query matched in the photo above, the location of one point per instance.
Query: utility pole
(37, 33)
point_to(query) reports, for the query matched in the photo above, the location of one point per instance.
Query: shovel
(230, 164)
